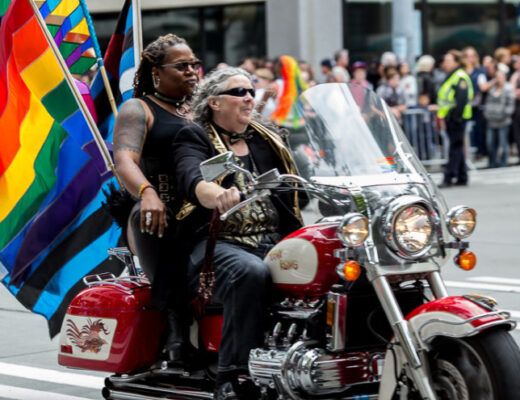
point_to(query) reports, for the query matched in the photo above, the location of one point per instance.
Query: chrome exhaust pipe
(154, 394)
(128, 390)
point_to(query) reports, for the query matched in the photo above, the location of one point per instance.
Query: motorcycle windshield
(357, 134)
(354, 143)
(357, 141)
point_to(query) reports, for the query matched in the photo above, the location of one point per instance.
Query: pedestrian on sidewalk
(454, 100)
(477, 73)
(515, 83)
(499, 106)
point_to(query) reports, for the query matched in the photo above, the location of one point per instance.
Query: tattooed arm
(129, 136)
(130, 130)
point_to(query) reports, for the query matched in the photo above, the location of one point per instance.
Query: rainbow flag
(67, 23)
(3, 8)
(66, 20)
(289, 110)
(53, 230)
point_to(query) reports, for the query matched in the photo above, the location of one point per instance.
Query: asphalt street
(28, 358)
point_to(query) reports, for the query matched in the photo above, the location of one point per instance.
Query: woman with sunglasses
(223, 106)
(145, 126)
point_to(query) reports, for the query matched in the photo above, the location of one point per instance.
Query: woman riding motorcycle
(224, 107)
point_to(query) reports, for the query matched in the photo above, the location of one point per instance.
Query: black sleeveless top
(156, 159)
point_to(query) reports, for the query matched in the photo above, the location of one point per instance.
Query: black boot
(178, 347)
(225, 391)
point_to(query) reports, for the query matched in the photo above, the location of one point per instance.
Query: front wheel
(484, 367)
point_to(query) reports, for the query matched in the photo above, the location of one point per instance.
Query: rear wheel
(484, 367)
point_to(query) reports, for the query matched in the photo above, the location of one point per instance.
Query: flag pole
(99, 58)
(75, 91)
(137, 32)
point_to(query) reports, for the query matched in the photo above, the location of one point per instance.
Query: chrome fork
(402, 332)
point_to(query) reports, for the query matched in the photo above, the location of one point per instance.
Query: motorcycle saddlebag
(111, 326)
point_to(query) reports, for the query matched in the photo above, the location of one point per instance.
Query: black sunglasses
(184, 65)
(239, 92)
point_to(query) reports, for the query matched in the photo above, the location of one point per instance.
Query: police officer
(454, 101)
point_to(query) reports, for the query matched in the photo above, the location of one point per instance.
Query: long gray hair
(214, 83)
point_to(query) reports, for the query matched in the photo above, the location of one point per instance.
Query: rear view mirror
(217, 167)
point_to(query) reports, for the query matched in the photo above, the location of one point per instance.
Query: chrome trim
(286, 367)
(305, 370)
(139, 282)
(437, 285)
(124, 255)
(337, 338)
(368, 180)
(466, 328)
(119, 380)
(454, 211)
(102, 277)
(347, 219)
(403, 332)
(154, 392)
(393, 210)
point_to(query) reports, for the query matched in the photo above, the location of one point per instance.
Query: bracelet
(143, 187)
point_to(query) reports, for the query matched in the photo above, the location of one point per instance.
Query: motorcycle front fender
(453, 316)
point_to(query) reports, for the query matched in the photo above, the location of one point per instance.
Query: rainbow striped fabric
(66, 21)
(289, 110)
(53, 230)
(3, 8)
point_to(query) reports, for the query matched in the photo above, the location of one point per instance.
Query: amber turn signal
(351, 270)
(466, 260)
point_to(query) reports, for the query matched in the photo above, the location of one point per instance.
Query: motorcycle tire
(483, 367)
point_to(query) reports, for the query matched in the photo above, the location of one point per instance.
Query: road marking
(49, 375)
(514, 314)
(495, 279)
(483, 286)
(12, 392)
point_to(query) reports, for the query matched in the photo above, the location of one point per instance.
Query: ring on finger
(148, 218)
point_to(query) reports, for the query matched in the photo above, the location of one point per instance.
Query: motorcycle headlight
(353, 229)
(461, 221)
(413, 229)
(409, 226)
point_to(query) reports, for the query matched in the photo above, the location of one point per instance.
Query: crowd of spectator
(494, 130)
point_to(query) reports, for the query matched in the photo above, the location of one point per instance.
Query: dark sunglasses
(183, 66)
(239, 92)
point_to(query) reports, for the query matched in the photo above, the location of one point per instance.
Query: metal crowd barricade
(430, 144)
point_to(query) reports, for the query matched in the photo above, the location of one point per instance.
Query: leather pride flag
(53, 230)
(120, 64)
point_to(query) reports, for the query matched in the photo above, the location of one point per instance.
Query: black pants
(516, 131)
(164, 262)
(243, 284)
(456, 166)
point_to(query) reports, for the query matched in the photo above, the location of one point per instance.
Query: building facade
(230, 30)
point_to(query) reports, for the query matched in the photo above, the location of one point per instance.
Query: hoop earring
(156, 81)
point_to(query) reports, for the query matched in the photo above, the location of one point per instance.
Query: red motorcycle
(361, 309)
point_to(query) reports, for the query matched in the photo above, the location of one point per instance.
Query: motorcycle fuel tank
(111, 327)
(303, 263)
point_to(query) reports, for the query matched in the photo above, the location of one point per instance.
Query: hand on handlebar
(227, 199)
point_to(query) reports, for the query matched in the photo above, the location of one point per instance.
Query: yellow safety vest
(446, 94)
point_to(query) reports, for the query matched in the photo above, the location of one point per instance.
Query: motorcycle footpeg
(174, 368)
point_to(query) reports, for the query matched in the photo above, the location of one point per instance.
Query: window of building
(446, 24)
(367, 29)
(216, 33)
(455, 26)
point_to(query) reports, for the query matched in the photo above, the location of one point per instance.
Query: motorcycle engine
(312, 371)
